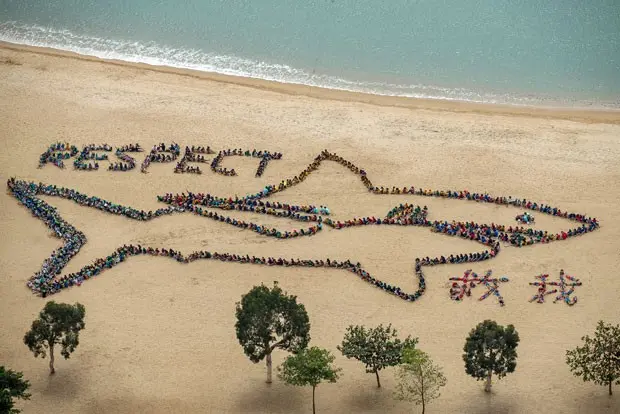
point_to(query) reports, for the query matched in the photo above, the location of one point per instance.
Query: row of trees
(269, 319)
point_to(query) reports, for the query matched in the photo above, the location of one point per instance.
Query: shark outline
(26, 193)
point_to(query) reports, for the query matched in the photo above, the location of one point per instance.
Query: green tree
(268, 319)
(490, 349)
(58, 323)
(598, 360)
(418, 378)
(376, 348)
(309, 367)
(12, 385)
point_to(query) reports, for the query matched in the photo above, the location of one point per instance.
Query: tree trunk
(378, 382)
(487, 386)
(313, 406)
(52, 370)
(610, 381)
(422, 389)
(268, 361)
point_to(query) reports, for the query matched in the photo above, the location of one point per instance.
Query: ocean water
(522, 52)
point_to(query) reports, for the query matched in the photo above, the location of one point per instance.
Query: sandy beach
(160, 335)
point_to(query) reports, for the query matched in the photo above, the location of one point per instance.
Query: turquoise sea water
(532, 52)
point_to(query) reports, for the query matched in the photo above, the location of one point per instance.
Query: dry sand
(159, 335)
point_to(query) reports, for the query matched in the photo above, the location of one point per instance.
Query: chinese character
(566, 288)
(542, 289)
(470, 280)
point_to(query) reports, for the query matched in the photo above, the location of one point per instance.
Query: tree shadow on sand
(128, 403)
(372, 400)
(488, 403)
(275, 398)
(64, 385)
(600, 402)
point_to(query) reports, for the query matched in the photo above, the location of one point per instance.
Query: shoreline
(439, 105)
(152, 320)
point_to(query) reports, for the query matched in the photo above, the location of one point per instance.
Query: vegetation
(377, 348)
(58, 323)
(12, 385)
(309, 367)
(598, 360)
(418, 378)
(268, 319)
(491, 349)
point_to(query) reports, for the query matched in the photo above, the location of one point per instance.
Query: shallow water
(560, 53)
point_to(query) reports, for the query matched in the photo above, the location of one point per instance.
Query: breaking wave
(160, 55)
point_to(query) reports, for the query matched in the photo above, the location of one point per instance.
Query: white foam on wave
(159, 55)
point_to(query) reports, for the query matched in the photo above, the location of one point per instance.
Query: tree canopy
(377, 348)
(268, 319)
(490, 349)
(309, 367)
(598, 360)
(418, 378)
(12, 385)
(58, 323)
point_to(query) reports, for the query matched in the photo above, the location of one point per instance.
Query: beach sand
(160, 335)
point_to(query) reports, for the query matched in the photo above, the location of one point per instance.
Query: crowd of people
(258, 228)
(195, 154)
(47, 280)
(404, 215)
(198, 149)
(161, 153)
(195, 203)
(57, 153)
(87, 159)
(461, 286)
(525, 218)
(566, 286)
(265, 157)
(517, 236)
(123, 253)
(73, 238)
(242, 204)
(127, 162)
(490, 236)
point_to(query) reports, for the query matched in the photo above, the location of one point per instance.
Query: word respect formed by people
(89, 157)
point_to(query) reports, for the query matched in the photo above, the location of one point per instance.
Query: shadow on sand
(372, 400)
(600, 402)
(275, 398)
(488, 403)
(63, 386)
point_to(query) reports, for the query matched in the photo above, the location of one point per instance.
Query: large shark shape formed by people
(48, 279)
